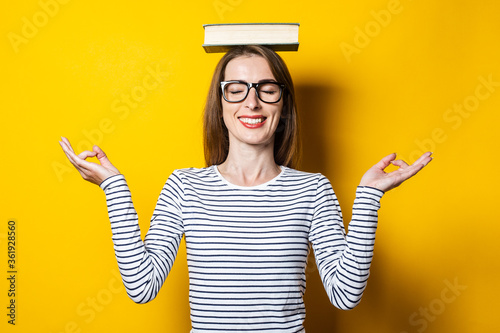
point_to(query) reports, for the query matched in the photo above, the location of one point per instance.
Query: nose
(252, 101)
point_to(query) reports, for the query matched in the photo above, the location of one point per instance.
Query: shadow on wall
(394, 299)
(317, 114)
(313, 102)
(320, 116)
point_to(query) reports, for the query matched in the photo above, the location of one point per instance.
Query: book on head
(277, 36)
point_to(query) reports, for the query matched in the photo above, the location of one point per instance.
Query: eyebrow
(260, 81)
(267, 80)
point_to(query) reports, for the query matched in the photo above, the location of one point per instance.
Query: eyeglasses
(237, 91)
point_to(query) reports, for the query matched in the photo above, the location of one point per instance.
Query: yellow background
(368, 84)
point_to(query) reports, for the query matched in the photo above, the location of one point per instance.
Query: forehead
(248, 68)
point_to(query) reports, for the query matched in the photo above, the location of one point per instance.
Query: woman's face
(251, 121)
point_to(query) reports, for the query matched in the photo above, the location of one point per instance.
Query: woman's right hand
(90, 171)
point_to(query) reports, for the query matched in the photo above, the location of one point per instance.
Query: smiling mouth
(252, 121)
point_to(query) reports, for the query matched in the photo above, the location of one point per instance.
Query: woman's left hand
(376, 176)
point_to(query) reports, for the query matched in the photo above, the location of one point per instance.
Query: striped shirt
(246, 247)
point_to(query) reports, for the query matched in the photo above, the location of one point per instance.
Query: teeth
(252, 120)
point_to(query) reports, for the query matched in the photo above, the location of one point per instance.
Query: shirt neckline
(255, 187)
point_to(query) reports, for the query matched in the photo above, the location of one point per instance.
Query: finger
(384, 162)
(78, 161)
(100, 154)
(424, 159)
(400, 163)
(86, 154)
(412, 170)
(66, 150)
(66, 141)
(70, 154)
(103, 158)
(73, 158)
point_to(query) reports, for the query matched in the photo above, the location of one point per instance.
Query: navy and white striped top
(247, 247)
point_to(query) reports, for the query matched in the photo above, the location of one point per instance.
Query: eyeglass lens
(267, 92)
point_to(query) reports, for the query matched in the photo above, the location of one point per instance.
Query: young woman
(248, 218)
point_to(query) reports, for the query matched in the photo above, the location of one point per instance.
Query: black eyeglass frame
(250, 86)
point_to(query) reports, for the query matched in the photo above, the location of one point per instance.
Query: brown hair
(215, 134)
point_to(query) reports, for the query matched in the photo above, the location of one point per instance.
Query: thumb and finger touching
(377, 176)
(384, 162)
(90, 171)
(86, 154)
(406, 171)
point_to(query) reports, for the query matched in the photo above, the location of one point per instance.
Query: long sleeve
(144, 266)
(344, 260)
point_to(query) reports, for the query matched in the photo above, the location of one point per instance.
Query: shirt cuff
(112, 181)
(368, 195)
(371, 191)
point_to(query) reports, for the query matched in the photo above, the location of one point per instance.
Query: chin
(261, 141)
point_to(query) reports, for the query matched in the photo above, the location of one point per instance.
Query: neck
(249, 165)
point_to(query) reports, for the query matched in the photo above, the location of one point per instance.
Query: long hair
(215, 134)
